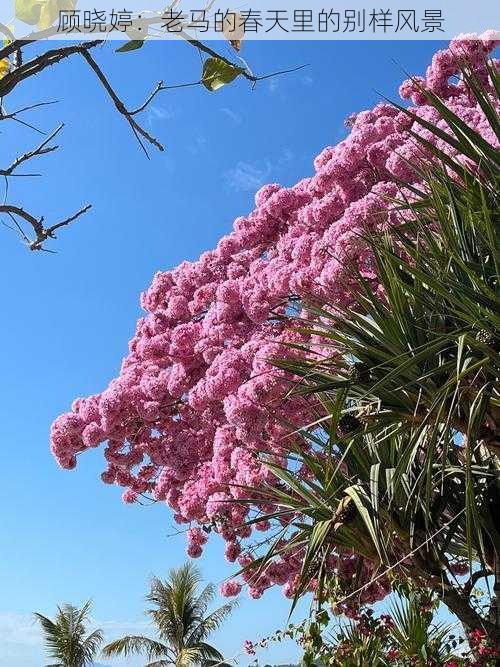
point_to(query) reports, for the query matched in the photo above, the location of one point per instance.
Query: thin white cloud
(22, 644)
(250, 176)
(232, 115)
(157, 114)
(273, 85)
(285, 158)
(19, 629)
(246, 176)
(198, 144)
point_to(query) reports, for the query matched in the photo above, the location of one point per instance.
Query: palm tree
(179, 613)
(66, 637)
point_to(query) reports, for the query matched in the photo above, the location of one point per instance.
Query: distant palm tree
(180, 615)
(65, 637)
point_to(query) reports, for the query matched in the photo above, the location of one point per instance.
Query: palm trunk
(460, 606)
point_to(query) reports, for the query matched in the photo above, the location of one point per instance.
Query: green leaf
(133, 45)
(137, 38)
(41, 12)
(48, 13)
(28, 11)
(217, 73)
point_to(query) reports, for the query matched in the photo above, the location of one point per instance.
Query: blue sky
(68, 317)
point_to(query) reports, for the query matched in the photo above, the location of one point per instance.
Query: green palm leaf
(132, 644)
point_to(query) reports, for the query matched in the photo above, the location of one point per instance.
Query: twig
(18, 227)
(283, 71)
(475, 577)
(23, 122)
(42, 149)
(38, 64)
(21, 71)
(12, 115)
(41, 233)
(245, 72)
(50, 230)
(136, 128)
(150, 98)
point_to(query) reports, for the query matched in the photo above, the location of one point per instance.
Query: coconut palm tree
(67, 639)
(179, 613)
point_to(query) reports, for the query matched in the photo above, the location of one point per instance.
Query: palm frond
(210, 623)
(415, 633)
(132, 644)
(205, 598)
(178, 610)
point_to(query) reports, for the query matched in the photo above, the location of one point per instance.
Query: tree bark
(470, 619)
(494, 615)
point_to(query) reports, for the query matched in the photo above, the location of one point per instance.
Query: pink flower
(197, 395)
(460, 568)
(194, 550)
(230, 588)
(197, 537)
(249, 647)
(129, 496)
(232, 551)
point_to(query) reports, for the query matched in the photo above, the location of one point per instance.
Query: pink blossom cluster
(249, 647)
(197, 396)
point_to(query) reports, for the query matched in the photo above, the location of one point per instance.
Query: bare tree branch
(41, 62)
(50, 230)
(21, 71)
(159, 86)
(42, 149)
(136, 128)
(41, 233)
(27, 217)
(475, 577)
(13, 114)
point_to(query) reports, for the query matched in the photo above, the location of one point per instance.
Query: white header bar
(260, 19)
